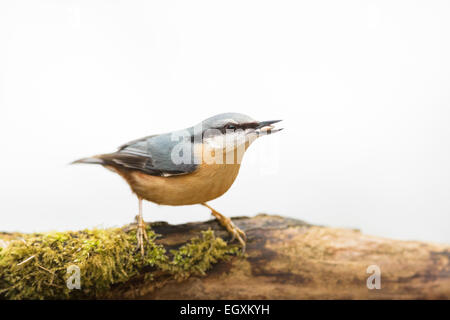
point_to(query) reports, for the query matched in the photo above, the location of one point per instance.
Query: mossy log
(290, 259)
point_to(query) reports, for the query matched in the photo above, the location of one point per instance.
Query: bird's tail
(90, 160)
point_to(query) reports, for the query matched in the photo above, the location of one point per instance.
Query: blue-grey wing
(153, 155)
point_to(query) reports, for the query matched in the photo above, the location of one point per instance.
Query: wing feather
(151, 155)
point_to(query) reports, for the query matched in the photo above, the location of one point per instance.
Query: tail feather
(89, 160)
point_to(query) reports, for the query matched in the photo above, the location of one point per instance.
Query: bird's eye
(230, 127)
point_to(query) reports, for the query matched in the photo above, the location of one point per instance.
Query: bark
(290, 259)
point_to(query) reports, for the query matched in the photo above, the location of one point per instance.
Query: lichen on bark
(35, 266)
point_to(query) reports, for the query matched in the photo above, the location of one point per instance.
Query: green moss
(199, 255)
(35, 267)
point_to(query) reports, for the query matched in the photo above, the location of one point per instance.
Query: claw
(235, 232)
(141, 234)
(240, 233)
(240, 236)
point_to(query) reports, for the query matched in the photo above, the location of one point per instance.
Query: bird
(186, 167)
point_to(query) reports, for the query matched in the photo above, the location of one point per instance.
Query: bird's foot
(141, 234)
(235, 232)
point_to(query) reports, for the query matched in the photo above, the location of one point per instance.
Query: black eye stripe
(252, 125)
(234, 126)
(229, 126)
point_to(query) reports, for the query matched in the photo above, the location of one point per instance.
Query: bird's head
(229, 132)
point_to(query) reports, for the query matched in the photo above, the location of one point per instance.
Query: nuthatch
(185, 167)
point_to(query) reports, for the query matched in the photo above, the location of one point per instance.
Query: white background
(363, 87)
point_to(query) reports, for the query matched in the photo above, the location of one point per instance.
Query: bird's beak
(266, 127)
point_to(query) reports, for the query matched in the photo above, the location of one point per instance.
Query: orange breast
(209, 181)
(206, 183)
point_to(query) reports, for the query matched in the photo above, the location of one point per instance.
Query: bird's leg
(235, 232)
(141, 231)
